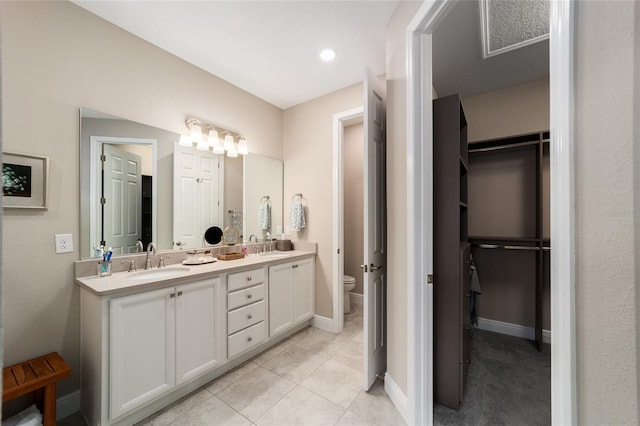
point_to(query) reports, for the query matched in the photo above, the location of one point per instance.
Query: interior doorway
(420, 217)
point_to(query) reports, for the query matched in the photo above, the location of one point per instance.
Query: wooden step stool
(39, 375)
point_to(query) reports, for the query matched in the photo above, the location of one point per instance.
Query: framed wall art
(24, 181)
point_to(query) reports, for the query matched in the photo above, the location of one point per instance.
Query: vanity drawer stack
(246, 311)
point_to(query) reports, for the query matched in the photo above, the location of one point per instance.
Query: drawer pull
(249, 296)
(249, 316)
(249, 339)
(179, 293)
(248, 278)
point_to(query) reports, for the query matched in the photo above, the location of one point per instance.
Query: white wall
(607, 183)
(56, 57)
(397, 193)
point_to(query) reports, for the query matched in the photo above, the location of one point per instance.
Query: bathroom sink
(158, 274)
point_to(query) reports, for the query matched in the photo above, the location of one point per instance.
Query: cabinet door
(303, 290)
(197, 340)
(142, 349)
(280, 298)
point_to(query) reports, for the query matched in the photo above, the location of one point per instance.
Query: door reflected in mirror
(125, 218)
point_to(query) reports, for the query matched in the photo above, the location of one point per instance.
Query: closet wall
(508, 277)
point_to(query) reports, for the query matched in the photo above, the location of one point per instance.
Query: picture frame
(24, 181)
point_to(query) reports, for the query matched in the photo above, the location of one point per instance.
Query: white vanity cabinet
(247, 311)
(162, 338)
(291, 294)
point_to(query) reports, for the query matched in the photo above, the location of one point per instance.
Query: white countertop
(131, 281)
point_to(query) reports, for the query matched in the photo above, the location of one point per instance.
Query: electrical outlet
(64, 243)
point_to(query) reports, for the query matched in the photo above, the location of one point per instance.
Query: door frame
(420, 213)
(340, 121)
(94, 166)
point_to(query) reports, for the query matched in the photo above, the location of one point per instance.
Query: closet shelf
(501, 147)
(493, 239)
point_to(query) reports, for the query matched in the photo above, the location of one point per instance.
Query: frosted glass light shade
(218, 149)
(196, 133)
(202, 145)
(228, 143)
(185, 140)
(242, 147)
(232, 152)
(213, 138)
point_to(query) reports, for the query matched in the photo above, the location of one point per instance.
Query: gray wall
(353, 203)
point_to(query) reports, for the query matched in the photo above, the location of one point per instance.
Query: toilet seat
(348, 279)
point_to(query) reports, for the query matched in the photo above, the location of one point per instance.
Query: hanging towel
(264, 214)
(296, 216)
(475, 291)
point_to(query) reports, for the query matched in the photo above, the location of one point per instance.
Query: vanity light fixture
(212, 139)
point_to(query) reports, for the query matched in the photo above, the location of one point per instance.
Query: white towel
(296, 216)
(264, 215)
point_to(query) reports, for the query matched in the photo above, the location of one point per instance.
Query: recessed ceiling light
(327, 54)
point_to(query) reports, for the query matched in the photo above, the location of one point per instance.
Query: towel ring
(298, 195)
(264, 199)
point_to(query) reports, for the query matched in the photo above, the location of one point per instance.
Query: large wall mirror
(128, 172)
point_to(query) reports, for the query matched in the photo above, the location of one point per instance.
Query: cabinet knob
(249, 296)
(249, 339)
(249, 316)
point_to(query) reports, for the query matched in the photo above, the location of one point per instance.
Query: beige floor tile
(335, 382)
(302, 407)
(273, 351)
(255, 393)
(295, 364)
(196, 409)
(351, 419)
(231, 377)
(350, 354)
(376, 407)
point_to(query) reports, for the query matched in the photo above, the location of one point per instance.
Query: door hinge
(103, 200)
(430, 279)
(103, 158)
(338, 251)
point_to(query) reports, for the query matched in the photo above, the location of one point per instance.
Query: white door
(375, 239)
(122, 199)
(196, 196)
(141, 346)
(196, 344)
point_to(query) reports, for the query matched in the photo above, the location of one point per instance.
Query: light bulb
(213, 138)
(185, 140)
(232, 152)
(202, 145)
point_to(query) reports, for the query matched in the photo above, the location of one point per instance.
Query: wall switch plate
(64, 243)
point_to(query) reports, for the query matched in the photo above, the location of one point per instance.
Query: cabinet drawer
(245, 297)
(245, 339)
(246, 316)
(245, 279)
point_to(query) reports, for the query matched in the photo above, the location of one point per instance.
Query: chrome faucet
(268, 238)
(254, 237)
(139, 246)
(147, 263)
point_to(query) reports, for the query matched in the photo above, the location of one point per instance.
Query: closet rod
(499, 147)
(506, 247)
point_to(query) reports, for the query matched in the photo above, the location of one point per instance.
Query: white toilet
(348, 283)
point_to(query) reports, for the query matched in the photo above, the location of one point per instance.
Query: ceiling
(458, 64)
(268, 48)
(271, 48)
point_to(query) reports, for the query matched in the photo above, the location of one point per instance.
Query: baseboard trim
(512, 329)
(396, 395)
(323, 323)
(68, 405)
(356, 298)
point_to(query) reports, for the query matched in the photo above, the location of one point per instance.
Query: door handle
(179, 243)
(373, 267)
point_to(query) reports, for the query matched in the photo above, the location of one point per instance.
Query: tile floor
(311, 378)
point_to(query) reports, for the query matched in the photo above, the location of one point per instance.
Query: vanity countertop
(120, 282)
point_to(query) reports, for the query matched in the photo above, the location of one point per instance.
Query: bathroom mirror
(148, 215)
